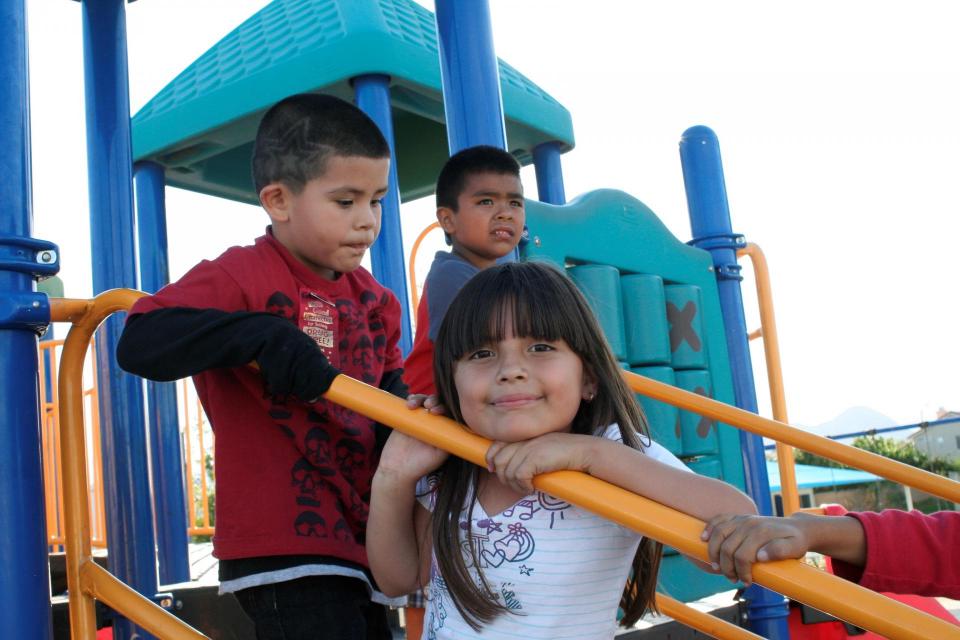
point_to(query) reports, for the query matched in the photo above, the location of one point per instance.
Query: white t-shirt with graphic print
(560, 569)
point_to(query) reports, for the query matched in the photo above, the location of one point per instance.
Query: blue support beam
(712, 231)
(126, 483)
(389, 268)
(472, 103)
(166, 459)
(546, 162)
(25, 574)
(471, 80)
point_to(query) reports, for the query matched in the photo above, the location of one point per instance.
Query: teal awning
(200, 127)
(813, 477)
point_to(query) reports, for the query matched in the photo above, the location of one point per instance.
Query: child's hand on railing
(431, 403)
(735, 542)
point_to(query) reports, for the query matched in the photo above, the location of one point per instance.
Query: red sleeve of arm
(206, 286)
(911, 552)
(392, 358)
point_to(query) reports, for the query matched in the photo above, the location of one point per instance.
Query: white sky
(836, 123)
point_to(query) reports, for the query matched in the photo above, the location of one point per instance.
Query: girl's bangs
(509, 304)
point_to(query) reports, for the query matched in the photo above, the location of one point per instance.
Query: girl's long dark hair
(537, 301)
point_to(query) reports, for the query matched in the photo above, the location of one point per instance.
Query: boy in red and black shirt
(293, 470)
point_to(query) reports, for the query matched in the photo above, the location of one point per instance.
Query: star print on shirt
(525, 570)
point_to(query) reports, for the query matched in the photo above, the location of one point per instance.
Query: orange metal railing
(50, 446)
(414, 293)
(790, 577)
(195, 427)
(864, 460)
(771, 350)
(86, 581)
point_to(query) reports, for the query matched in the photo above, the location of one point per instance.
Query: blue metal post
(373, 97)
(166, 461)
(126, 483)
(546, 161)
(25, 574)
(471, 80)
(472, 103)
(711, 229)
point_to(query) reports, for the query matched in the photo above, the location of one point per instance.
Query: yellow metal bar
(771, 349)
(104, 586)
(414, 296)
(704, 622)
(204, 504)
(73, 463)
(792, 578)
(890, 469)
(98, 532)
(188, 447)
(85, 580)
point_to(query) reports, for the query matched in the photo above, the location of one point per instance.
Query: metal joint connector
(24, 310)
(39, 258)
(728, 272)
(733, 241)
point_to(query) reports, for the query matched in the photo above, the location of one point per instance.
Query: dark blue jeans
(328, 607)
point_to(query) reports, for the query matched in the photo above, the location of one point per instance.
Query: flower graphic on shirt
(517, 545)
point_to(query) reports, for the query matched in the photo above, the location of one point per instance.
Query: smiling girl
(520, 360)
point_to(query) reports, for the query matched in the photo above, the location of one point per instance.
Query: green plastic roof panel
(200, 127)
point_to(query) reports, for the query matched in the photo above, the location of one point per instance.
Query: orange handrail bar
(50, 442)
(414, 296)
(703, 622)
(771, 350)
(876, 464)
(97, 583)
(204, 501)
(662, 523)
(85, 580)
(790, 577)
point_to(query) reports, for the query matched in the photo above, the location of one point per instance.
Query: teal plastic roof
(812, 477)
(200, 127)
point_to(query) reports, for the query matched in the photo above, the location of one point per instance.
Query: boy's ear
(276, 200)
(445, 216)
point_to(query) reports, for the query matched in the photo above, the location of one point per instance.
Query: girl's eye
(516, 203)
(486, 201)
(377, 202)
(542, 347)
(345, 203)
(480, 354)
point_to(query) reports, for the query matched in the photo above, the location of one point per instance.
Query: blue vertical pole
(165, 458)
(472, 104)
(126, 484)
(471, 79)
(373, 97)
(711, 228)
(546, 162)
(25, 575)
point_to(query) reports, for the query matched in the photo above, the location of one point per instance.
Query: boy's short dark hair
(480, 159)
(298, 134)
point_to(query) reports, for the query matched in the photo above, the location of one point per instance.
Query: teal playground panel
(656, 299)
(200, 127)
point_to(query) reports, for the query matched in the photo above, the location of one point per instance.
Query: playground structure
(406, 101)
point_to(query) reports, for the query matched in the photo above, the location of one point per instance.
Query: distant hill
(850, 421)
(858, 419)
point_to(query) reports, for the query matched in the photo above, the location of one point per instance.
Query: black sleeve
(167, 344)
(392, 381)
